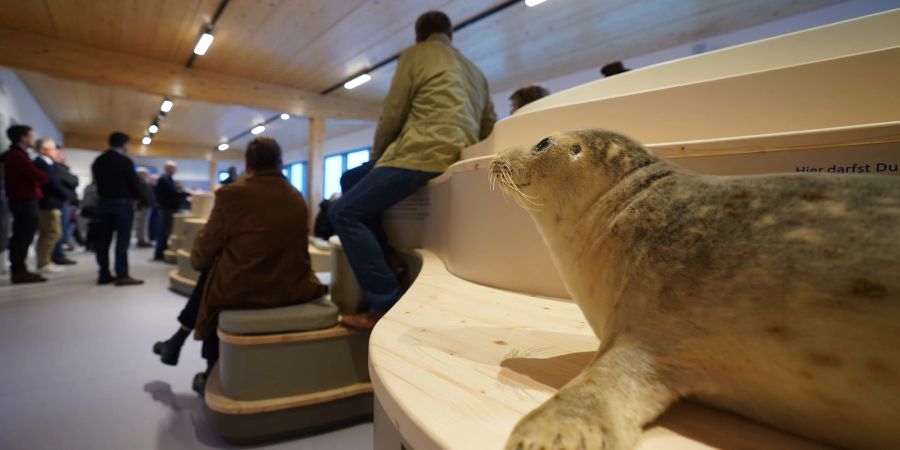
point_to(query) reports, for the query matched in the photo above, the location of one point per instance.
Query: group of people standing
(40, 195)
(41, 198)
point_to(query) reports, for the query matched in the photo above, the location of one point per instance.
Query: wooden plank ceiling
(313, 44)
(91, 111)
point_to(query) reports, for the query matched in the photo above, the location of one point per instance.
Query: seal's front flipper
(604, 407)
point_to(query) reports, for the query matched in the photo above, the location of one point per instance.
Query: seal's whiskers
(501, 173)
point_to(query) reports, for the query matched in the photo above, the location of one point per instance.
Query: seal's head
(566, 172)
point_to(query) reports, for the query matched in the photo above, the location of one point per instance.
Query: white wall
(18, 106)
(335, 144)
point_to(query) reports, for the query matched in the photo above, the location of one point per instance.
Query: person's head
(526, 95)
(263, 153)
(59, 155)
(232, 172)
(613, 68)
(119, 141)
(143, 174)
(46, 147)
(171, 167)
(433, 22)
(21, 136)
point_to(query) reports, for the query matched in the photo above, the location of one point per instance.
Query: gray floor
(77, 372)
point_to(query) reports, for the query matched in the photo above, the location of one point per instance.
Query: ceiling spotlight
(531, 3)
(285, 116)
(223, 146)
(166, 106)
(203, 44)
(146, 140)
(153, 129)
(257, 129)
(358, 81)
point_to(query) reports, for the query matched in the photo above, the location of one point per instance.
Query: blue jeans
(356, 218)
(116, 217)
(349, 179)
(58, 253)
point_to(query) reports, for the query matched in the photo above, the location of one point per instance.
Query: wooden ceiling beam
(69, 60)
(154, 150)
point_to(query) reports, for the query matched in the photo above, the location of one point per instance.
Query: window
(334, 168)
(296, 174)
(336, 165)
(357, 158)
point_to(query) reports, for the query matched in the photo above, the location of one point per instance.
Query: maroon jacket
(23, 179)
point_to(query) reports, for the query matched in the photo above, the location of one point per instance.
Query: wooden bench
(455, 365)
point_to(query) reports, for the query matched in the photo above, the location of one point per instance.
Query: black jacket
(68, 179)
(115, 177)
(56, 195)
(168, 196)
(323, 228)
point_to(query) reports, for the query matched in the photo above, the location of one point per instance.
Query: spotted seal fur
(776, 296)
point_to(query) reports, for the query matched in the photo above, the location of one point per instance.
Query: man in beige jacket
(438, 104)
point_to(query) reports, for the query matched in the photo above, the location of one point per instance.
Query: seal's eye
(543, 145)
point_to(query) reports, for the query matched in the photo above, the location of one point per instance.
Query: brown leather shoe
(364, 322)
(25, 276)
(128, 281)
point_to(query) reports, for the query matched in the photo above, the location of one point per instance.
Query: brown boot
(25, 276)
(128, 281)
(364, 322)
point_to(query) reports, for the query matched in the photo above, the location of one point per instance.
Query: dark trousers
(90, 239)
(165, 229)
(188, 319)
(116, 217)
(153, 225)
(356, 218)
(25, 224)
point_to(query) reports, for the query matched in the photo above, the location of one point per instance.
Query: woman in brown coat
(252, 253)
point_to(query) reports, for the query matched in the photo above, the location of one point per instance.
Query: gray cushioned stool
(287, 363)
(315, 315)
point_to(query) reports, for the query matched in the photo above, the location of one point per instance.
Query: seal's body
(776, 296)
